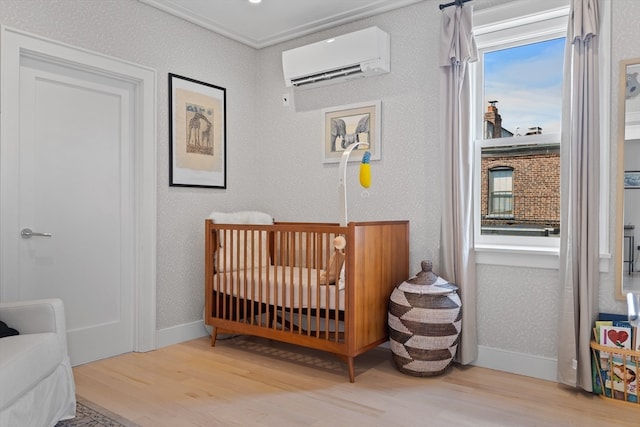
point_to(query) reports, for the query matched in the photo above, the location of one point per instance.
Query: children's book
(621, 377)
(621, 323)
(615, 336)
(597, 376)
(636, 341)
(599, 324)
(611, 316)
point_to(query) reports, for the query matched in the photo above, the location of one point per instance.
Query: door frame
(15, 44)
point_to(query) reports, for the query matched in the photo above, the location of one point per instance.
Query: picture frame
(632, 179)
(197, 133)
(346, 124)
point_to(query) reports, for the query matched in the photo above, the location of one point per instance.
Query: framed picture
(197, 133)
(632, 179)
(349, 124)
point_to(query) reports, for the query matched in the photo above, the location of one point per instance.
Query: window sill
(526, 256)
(518, 256)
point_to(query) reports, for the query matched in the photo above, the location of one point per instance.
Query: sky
(527, 83)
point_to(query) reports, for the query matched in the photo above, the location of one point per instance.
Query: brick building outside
(520, 184)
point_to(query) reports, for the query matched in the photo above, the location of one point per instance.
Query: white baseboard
(180, 333)
(544, 368)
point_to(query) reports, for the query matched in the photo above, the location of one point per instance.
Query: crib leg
(350, 365)
(214, 335)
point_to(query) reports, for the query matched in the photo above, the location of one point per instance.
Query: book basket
(615, 373)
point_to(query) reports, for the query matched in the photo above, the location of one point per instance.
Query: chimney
(492, 122)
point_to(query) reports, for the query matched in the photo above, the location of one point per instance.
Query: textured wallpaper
(518, 309)
(274, 152)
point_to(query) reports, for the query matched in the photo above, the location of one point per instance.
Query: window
(517, 89)
(500, 193)
(527, 79)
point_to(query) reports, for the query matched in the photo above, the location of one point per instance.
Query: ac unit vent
(359, 54)
(342, 72)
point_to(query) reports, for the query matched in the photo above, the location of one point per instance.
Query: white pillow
(241, 217)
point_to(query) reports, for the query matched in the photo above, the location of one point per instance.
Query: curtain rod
(453, 3)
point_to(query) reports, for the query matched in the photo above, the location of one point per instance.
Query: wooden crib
(281, 282)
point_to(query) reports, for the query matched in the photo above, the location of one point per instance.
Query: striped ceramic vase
(425, 317)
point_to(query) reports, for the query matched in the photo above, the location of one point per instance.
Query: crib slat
(224, 277)
(317, 289)
(244, 248)
(327, 255)
(288, 284)
(299, 277)
(257, 316)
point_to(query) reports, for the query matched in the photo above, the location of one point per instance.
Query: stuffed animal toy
(332, 273)
(632, 86)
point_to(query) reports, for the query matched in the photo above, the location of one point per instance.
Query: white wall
(274, 157)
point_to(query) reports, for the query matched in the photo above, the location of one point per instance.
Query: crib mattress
(286, 287)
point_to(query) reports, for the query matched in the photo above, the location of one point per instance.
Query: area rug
(88, 414)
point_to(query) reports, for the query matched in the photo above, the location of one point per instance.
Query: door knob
(26, 233)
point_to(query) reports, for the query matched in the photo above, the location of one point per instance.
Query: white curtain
(579, 246)
(457, 262)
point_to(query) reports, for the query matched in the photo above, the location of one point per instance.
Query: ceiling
(273, 21)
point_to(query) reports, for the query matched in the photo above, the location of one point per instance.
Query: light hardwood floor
(247, 381)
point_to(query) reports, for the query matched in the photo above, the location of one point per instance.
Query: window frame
(500, 28)
(524, 20)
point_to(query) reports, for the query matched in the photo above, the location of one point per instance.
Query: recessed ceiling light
(255, 1)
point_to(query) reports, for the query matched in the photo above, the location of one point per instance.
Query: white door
(74, 202)
(75, 184)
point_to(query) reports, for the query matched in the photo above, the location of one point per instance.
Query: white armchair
(36, 380)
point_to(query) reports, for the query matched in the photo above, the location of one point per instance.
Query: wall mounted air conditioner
(359, 54)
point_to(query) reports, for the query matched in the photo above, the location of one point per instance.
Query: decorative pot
(425, 317)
